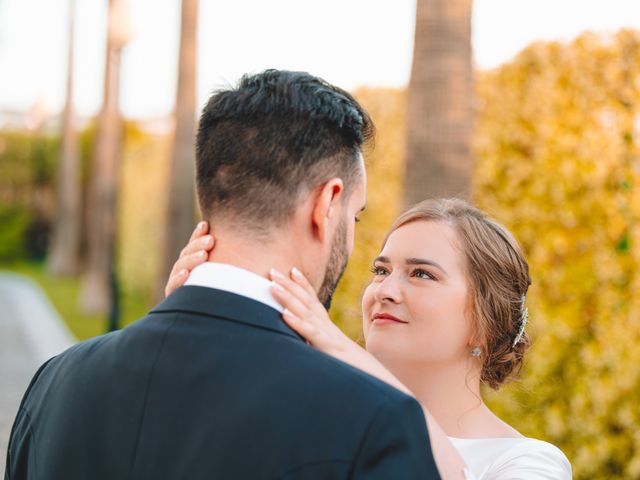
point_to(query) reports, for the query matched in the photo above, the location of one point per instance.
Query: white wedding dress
(512, 459)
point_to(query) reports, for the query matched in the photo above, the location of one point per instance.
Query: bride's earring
(476, 352)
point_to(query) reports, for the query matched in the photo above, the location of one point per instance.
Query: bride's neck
(450, 392)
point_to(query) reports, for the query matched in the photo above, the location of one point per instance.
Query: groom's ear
(325, 208)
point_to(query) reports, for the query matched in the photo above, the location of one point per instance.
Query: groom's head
(279, 155)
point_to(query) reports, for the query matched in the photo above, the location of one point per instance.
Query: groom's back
(213, 385)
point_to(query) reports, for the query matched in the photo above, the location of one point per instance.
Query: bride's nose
(389, 290)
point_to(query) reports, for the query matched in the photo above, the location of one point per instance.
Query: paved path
(31, 331)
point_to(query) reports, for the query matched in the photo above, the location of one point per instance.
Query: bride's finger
(298, 277)
(307, 330)
(190, 261)
(199, 243)
(289, 301)
(176, 280)
(201, 229)
(314, 304)
(182, 268)
(293, 288)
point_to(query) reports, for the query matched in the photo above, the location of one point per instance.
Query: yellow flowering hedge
(558, 137)
(557, 147)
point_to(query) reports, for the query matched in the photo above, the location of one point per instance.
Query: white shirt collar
(229, 278)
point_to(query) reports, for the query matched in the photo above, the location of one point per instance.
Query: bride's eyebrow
(422, 261)
(413, 261)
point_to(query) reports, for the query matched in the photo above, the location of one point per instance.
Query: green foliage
(14, 223)
(27, 162)
(558, 144)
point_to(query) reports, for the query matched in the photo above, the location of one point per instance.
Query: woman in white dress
(444, 313)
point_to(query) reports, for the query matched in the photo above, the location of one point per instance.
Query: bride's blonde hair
(498, 276)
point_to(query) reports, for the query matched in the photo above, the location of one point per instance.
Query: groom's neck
(256, 255)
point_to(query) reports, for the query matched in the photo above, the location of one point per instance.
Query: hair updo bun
(498, 276)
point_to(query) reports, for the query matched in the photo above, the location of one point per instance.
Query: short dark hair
(274, 136)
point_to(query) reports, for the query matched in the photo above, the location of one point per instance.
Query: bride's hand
(195, 253)
(307, 316)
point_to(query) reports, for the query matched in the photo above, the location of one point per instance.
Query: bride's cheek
(365, 328)
(367, 302)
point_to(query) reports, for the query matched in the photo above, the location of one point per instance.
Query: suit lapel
(220, 304)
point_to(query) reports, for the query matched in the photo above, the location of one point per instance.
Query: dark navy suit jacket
(212, 385)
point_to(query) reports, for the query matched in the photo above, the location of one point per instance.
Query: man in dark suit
(212, 383)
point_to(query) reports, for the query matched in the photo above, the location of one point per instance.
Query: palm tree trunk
(101, 221)
(439, 110)
(63, 259)
(180, 216)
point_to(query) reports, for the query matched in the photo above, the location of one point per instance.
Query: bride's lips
(383, 318)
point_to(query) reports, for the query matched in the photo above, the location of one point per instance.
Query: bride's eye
(378, 270)
(420, 273)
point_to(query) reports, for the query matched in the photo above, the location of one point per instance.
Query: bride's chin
(381, 351)
(393, 357)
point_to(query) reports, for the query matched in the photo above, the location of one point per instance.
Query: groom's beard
(338, 259)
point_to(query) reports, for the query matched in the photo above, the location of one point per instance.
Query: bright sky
(347, 42)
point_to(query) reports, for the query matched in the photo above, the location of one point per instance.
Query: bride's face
(415, 309)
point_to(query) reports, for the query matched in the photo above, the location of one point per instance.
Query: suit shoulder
(330, 373)
(83, 348)
(95, 347)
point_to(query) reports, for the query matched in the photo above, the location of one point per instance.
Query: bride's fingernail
(201, 254)
(200, 226)
(297, 273)
(205, 240)
(276, 274)
(277, 287)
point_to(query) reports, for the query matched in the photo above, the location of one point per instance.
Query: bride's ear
(476, 341)
(325, 208)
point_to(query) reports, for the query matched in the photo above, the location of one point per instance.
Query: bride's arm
(305, 314)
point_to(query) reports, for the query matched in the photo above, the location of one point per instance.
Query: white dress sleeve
(468, 475)
(531, 460)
